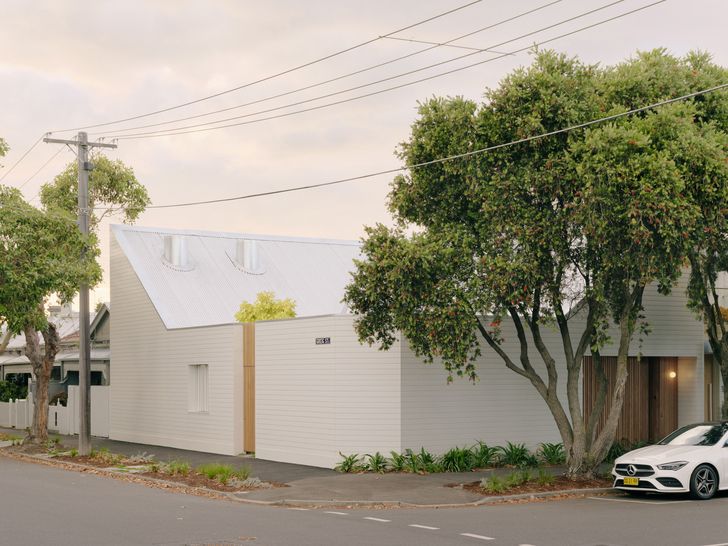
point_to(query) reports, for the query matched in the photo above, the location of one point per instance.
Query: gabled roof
(313, 272)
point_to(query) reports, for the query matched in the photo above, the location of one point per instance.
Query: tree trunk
(42, 365)
(5, 341)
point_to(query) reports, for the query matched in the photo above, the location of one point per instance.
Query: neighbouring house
(65, 369)
(179, 377)
(302, 390)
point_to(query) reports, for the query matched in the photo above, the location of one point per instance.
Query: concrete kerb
(293, 503)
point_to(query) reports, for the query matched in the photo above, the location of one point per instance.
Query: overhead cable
(344, 76)
(452, 157)
(273, 76)
(193, 129)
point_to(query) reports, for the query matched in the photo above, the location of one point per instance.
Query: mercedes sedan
(692, 459)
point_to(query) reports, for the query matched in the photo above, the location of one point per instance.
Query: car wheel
(703, 482)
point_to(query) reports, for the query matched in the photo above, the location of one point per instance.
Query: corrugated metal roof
(312, 272)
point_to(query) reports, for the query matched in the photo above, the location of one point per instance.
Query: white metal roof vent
(175, 253)
(247, 257)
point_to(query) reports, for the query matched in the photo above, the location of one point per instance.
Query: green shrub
(518, 478)
(484, 456)
(514, 455)
(73, 452)
(375, 463)
(223, 472)
(458, 459)
(494, 485)
(544, 477)
(552, 453)
(529, 461)
(174, 468)
(397, 462)
(617, 449)
(104, 456)
(349, 463)
(429, 461)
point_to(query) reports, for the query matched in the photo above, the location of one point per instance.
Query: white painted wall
(148, 399)
(316, 400)
(313, 401)
(503, 407)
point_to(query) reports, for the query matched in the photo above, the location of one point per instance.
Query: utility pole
(84, 354)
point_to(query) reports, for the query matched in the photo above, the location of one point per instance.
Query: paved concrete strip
(378, 519)
(471, 535)
(427, 527)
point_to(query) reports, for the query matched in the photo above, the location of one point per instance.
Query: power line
(452, 157)
(22, 157)
(31, 177)
(276, 75)
(354, 73)
(189, 129)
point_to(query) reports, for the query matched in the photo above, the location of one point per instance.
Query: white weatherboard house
(178, 352)
(314, 401)
(303, 390)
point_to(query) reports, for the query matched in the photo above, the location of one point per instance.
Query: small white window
(197, 393)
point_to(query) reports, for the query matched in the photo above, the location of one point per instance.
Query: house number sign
(323, 341)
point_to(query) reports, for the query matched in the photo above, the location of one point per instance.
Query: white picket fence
(18, 414)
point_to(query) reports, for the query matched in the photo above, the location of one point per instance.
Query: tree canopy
(266, 307)
(583, 219)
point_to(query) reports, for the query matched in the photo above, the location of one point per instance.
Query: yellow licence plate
(631, 481)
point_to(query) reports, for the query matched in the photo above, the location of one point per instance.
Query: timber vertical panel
(249, 387)
(663, 397)
(633, 421)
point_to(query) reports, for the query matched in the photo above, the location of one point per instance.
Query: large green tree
(41, 257)
(564, 231)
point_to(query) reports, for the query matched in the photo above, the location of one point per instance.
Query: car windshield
(696, 435)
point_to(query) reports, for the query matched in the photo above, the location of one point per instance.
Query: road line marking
(661, 503)
(337, 513)
(481, 537)
(378, 519)
(721, 544)
(300, 509)
(423, 527)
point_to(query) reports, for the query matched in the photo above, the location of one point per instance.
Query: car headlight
(676, 465)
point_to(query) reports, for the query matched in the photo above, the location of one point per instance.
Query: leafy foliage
(12, 390)
(457, 459)
(484, 456)
(525, 232)
(552, 453)
(375, 463)
(266, 307)
(223, 473)
(514, 455)
(349, 463)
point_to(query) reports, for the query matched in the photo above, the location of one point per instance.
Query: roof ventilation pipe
(247, 256)
(175, 251)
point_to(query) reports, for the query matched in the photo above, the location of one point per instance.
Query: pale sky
(68, 63)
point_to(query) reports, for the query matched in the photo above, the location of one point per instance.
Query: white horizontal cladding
(315, 400)
(150, 365)
(673, 330)
(499, 407)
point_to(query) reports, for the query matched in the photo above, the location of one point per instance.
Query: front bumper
(650, 478)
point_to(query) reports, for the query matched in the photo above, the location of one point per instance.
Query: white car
(692, 459)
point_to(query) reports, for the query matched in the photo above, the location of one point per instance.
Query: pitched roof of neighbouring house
(312, 272)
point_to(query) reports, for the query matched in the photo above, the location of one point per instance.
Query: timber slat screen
(634, 419)
(650, 397)
(249, 387)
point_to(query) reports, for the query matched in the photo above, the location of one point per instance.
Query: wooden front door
(663, 397)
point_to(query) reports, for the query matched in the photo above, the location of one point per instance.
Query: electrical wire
(276, 75)
(32, 147)
(31, 177)
(452, 157)
(338, 78)
(190, 129)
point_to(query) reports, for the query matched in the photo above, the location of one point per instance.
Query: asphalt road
(42, 505)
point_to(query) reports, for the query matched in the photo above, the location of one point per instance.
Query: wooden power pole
(84, 354)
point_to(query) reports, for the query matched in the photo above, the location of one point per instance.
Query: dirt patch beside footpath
(213, 478)
(558, 483)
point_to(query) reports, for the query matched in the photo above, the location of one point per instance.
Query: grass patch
(223, 473)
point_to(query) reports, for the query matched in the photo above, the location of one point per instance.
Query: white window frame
(198, 390)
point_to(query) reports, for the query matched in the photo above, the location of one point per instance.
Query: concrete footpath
(307, 485)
